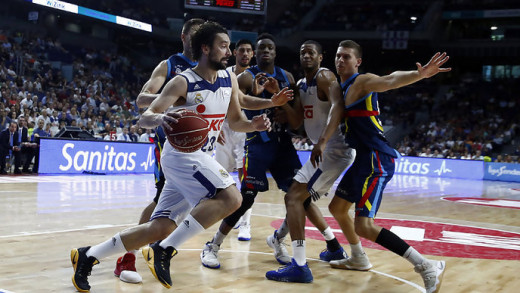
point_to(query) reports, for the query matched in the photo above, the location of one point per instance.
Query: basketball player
(230, 153)
(164, 72)
(364, 182)
(264, 151)
(194, 180)
(321, 104)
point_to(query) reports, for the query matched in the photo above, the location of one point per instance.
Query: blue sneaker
(292, 273)
(327, 255)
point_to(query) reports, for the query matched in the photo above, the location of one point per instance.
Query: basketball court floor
(473, 225)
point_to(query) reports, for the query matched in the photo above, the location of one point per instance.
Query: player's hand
(261, 123)
(221, 138)
(169, 118)
(258, 83)
(317, 154)
(282, 97)
(271, 85)
(434, 65)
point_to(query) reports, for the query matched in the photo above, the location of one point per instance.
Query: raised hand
(261, 123)
(434, 65)
(282, 97)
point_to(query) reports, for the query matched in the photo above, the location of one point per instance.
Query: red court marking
(516, 189)
(488, 202)
(440, 239)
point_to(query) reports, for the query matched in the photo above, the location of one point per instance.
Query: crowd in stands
(368, 16)
(98, 98)
(473, 120)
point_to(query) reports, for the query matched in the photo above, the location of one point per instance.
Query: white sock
(134, 252)
(218, 238)
(283, 230)
(413, 256)
(356, 249)
(246, 218)
(327, 234)
(107, 248)
(189, 228)
(298, 248)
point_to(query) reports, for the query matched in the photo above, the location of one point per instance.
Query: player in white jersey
(322, 106)
(230, 153)
(200, 181)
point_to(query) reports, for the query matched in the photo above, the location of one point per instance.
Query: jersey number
(209, 145)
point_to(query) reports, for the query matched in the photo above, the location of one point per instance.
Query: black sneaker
(158, 260)
(82, 267)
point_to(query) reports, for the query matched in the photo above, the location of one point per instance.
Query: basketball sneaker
(127, 263)
(209, 256)
(244, 232)
(432, 272)
(158, 260)
(280, 252)
(357, 262)
(82, 265)
(327, 255)
(291, 273)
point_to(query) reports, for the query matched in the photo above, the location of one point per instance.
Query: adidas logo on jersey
(187, 223)
(196, 87)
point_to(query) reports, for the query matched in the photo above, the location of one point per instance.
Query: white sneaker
(354, 262)
(209, 256)
(280, 252)
(237, 225)
(432, 272)
(244, 232)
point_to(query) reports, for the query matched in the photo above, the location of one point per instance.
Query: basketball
(190, 133)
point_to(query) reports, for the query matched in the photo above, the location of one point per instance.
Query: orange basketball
(190, 133)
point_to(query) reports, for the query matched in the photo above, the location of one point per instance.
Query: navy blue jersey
(277, 129)
(363, 127)
(177, 63)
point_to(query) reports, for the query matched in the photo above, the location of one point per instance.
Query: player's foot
(358, 262)
(291, 273)
(244, 232)
(209, 256)
(280, 252)
(82, 266)
(158, 260)
(125, 269)
(432, 272)
(327, 255)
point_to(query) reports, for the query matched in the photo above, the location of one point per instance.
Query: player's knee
(235, 201)
(364, 229)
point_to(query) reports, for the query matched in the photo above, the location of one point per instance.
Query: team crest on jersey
(178, 69)
(223, 173)
(227, 92)
(198, 98)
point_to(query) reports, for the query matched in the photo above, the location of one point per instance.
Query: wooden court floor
(43, 217)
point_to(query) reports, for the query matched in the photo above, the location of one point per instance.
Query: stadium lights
(494, 28)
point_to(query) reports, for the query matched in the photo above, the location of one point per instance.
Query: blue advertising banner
(464, 169)
(62, 156)
(502, 172)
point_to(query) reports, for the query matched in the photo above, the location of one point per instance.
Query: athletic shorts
(364, 182)
(190, 177)
(336, 158)
(231, 154)
(280, 158)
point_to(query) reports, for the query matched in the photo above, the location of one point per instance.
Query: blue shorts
(364, 182)
(280, 158)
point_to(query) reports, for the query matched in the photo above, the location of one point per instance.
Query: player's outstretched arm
(152, 86)
(154, 116)
(397, 79)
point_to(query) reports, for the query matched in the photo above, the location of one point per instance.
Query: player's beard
(217, 65)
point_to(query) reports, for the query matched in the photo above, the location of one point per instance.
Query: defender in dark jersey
(264, 150)
(364, 182)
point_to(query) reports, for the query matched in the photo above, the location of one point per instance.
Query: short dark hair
(190, 23)
(353, 45)
(244, 42)
(313, 42)
(263, 36)
(205, 35)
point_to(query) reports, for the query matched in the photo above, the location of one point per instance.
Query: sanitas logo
(406, 167)
(503, 171)
(442, 169)
(97, 161)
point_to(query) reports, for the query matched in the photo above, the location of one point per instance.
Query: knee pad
(248, 198)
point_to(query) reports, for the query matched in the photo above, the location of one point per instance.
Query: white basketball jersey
(316, 111)
(211, 100)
